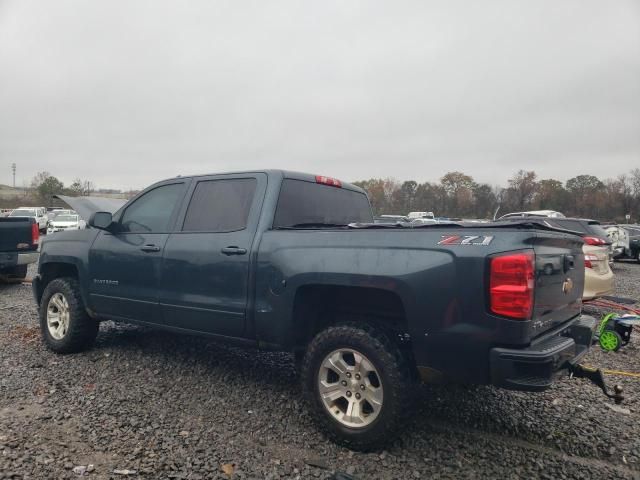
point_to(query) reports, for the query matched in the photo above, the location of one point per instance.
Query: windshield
(66, 218)
(23, 213)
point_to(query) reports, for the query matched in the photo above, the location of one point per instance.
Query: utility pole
(13, 169)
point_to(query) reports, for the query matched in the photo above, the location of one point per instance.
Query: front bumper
(534, 368)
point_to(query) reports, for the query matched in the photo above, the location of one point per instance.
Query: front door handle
(234, 251)
(150, 248)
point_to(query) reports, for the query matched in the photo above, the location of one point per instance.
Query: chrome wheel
(58, 316)
(350, 388)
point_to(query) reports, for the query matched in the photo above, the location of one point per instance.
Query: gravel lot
(168, 406)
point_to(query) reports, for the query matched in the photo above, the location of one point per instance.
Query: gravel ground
(166, 406)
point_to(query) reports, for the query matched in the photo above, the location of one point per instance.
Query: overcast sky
(125, 93)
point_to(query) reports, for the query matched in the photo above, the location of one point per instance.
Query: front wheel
(64, 323)
(357, 384)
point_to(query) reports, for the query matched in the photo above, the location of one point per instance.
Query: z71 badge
(465, 240)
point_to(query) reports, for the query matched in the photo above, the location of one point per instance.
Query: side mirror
(101, 220)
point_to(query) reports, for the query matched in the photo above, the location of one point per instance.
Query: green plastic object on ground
(615, 331)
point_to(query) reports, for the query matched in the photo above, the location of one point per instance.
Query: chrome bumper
(27, 258)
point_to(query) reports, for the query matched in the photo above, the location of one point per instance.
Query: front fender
(61, 251)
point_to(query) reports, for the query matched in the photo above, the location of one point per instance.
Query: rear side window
(152, 212)
(305, 202)
(220, 205)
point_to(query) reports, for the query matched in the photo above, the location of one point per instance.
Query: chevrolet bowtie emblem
(567, 285)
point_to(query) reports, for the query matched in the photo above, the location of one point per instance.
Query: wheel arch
(50, 270)
(318, 306)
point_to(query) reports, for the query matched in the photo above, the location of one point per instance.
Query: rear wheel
(65, 325)
(357, 384)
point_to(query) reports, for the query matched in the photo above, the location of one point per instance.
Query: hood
(65, 223)
(86, 206)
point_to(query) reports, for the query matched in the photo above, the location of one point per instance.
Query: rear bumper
(596, 285)
(534, 368)
(8, 260)
(27, 258)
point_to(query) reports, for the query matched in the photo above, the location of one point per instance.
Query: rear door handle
(150, 248)
(234, 251)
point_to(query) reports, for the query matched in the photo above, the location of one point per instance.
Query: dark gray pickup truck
(289, 261)
(19, 237)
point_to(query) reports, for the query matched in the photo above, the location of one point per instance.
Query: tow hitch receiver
(597, 378)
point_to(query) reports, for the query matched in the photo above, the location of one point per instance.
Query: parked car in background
(390, 219)
(36, 213)
(533, 213)
(598, 280)
(4, 212)
(632, 247)
(413, 215)
(62, 211)
(53, 211)
(423, 221)
(19, 238)
(619, 238)
(64, 222)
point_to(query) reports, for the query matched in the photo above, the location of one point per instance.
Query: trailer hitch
(597, 378)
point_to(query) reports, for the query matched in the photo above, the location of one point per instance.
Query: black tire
(82, 329)
(395, 377)
(638, 256)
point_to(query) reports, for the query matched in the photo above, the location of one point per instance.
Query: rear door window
(220, 205)
(303, 202)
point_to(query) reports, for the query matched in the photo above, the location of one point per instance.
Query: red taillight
(511, 285)
(589, 259)
(332, 182)
(594, 241)
(35, 234)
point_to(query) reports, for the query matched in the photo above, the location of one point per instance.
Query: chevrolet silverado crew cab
(293, 262)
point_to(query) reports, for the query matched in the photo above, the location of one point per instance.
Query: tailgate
(14, 232)
(559, 280)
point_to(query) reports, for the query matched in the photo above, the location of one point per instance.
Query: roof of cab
(307, 177)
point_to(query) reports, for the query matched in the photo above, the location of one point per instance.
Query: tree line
(458, 195)
(43, 186)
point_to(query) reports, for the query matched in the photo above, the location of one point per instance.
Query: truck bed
(438, 275)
